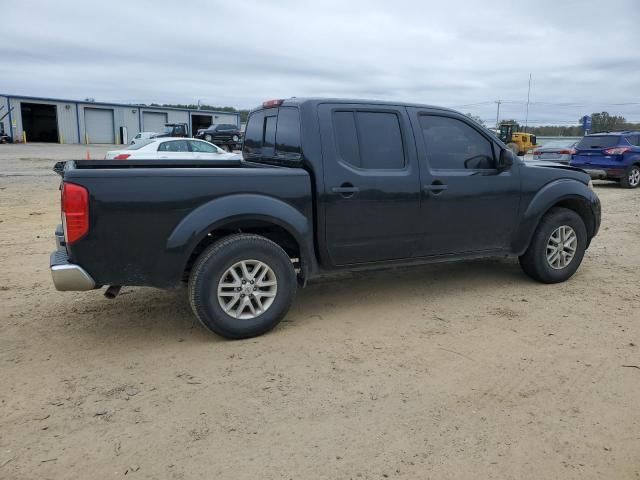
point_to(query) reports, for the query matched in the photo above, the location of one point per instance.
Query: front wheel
(631, 178)
(242, 286)
(557, 247)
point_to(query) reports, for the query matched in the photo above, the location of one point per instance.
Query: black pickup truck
(324, 185)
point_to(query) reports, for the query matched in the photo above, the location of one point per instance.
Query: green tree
(604, 122)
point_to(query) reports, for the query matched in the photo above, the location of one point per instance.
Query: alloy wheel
(247, 289)
(561, 247)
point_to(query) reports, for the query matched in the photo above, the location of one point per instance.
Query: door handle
(436, 187)
(346, 190)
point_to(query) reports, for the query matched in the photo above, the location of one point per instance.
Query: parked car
(224, 135)
(610, 156)
(173, 130)
(558, 151)
(143, 136)
(325, 186)
(173, 148)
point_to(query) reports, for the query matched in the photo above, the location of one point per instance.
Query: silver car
(558, 151)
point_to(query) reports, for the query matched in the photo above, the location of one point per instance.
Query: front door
(468, 205)
(372, 183)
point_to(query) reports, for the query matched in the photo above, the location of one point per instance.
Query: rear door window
(369, 140)
(591, 142)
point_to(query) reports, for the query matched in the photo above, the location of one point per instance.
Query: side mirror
(506, 159)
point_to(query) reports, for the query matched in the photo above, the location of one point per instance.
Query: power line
(554, 104)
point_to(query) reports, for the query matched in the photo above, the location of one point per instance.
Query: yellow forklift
(518, 142)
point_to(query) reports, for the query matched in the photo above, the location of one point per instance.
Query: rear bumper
(601, 174)
(67, 276)
(596, 174)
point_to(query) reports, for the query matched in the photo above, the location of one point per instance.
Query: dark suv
(224, 135)
(610, 156)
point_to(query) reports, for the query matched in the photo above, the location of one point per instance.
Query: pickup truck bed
(145, 211)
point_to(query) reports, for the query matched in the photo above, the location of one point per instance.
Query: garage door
(153, 121)
(99, 125)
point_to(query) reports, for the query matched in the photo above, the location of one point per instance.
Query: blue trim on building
(10, 121)
(78, 123)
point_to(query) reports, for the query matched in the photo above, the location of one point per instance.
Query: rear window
(598, 141)
(139, 145)
(273, 133)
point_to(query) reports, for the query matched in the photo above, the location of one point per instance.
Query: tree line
(600, 122)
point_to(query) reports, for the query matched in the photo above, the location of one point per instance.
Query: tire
(631, 178)
(208, 138)
(534, 261)
(213, 266)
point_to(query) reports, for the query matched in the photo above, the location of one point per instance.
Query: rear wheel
(242, 286)
(557, 247)
(631, 178)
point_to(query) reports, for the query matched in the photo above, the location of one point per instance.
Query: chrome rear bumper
(67, 276)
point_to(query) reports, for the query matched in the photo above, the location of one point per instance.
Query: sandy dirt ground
(445, 371)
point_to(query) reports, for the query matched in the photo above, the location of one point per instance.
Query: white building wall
(70, 117)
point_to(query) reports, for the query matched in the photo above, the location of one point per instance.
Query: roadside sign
(586, 123)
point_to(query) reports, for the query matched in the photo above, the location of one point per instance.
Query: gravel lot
(445, 371)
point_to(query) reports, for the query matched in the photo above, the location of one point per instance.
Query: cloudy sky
(584, 55)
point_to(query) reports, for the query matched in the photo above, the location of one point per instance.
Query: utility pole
(526, 118)
(498, 114)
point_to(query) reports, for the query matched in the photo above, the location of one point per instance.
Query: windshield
(598, 141)
(167, 129)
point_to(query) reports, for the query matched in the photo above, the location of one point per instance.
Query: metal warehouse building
(73, 121)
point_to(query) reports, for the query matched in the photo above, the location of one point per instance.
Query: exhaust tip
(112, 291)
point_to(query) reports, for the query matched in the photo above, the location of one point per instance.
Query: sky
(583, 56)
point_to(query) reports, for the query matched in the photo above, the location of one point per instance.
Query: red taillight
(567, 152)
(617, 150)
(536, 152)
(122, 156)
(75, 211)
(272, 103)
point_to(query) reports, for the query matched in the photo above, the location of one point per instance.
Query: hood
(569, 171)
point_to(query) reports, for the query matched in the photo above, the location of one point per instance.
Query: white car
(142, 136)
(174, 148)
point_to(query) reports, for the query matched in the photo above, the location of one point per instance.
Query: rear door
(372, 183)
(468, 204)
(175, 150)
